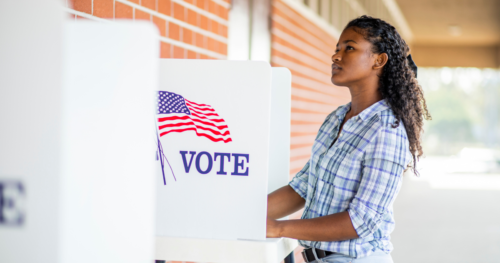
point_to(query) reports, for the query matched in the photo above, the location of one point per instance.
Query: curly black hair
(398, 84)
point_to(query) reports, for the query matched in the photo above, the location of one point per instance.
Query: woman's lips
(335, 67)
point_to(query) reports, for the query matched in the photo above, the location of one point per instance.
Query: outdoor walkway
(447, 217)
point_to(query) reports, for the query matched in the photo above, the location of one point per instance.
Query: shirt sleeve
(382, 170)
(299, 182)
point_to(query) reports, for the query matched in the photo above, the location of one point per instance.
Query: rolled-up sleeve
(382, 169)
(299, 182)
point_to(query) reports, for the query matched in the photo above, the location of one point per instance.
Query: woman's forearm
(335, 227)
(283, 202)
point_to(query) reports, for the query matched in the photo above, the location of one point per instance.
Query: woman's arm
(333, 227)
(383, 164)
(283, 202)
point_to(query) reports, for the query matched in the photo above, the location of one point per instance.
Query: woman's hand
(273, 229)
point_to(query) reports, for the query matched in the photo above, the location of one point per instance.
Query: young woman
(349, 185)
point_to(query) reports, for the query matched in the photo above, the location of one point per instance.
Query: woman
(349, 185)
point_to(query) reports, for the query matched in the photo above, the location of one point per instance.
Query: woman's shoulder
(389, 122)
(390, 134)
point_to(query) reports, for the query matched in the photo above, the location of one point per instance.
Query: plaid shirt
(361, 174)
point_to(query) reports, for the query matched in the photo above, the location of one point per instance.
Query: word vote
(239, 159)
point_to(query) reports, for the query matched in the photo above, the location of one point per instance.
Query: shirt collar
(343, 110)
(367, 113)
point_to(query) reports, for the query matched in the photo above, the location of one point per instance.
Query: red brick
(190, 1)
(223, 30)
(165, 7)
(216, 46)
(212, 44)
(178, 11)
(201, 3)
(178, 52)
(134, 1)
(204, 56)
(222, 49)
(213, 7)
(223, 13)
(192, 17)
(123, 11)
(187, 36)
(214, 27)
(174, 31)
(71, 16)
(103, 8)
(191, 54)
(81, 18)
(161, 24)
(204, 22)
(165, 49)
(151, 4)
(199, 40)
(83, 6)
(140, 15)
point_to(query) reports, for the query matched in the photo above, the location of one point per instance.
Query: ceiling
(453, 22)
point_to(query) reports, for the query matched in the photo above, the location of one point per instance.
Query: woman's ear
(380, 60)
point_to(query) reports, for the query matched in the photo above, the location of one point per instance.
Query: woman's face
(353, 60)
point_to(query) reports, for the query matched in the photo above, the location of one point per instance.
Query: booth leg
(159, 261)
(290, 258)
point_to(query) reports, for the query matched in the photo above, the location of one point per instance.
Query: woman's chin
(335, 80)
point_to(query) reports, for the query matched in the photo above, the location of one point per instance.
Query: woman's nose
(335, 57)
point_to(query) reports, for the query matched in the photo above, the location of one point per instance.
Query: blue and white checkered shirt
(361, 174)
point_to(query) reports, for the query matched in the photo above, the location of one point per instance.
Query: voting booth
(213, 119)
(223, 132)
(77, 146)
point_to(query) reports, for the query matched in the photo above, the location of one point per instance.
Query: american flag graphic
(177, 114)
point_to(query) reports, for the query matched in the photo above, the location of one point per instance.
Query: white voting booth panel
(218, 189)
(279, 146)
(77, 142)
(107, 180)
(195, 208)
(30, 86)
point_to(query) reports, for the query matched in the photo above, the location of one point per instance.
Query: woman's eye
(349, 48)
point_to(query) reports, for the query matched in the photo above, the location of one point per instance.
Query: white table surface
(272, 250)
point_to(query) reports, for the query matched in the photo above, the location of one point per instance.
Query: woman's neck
(362, 98)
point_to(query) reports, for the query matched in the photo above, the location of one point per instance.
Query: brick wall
(306, 49)
(194, 29)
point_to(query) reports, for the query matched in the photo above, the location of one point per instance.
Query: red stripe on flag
(163, 119)
(203, 117)
(216, 132)
(199, 134)
(200, 108)
(199, 104)
(206, 114)
(173, 118)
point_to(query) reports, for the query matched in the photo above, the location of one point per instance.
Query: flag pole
(160, 153)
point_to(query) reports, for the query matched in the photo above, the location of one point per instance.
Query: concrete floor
(447, 217)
